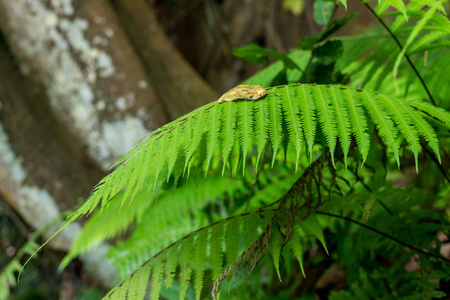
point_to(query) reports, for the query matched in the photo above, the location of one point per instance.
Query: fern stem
(385, 235)
(401, 48)
(439, 165)
(361, 180)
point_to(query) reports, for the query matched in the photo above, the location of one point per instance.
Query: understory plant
(342, 169)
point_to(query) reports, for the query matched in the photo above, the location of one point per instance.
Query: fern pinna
(287, 123)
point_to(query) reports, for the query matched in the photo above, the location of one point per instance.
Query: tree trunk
(93, 79)
(175, 81)
(40, 162)
(77, 98)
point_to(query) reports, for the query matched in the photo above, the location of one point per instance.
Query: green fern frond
(432, 111)
(193, 257)
(416, 30)
(403, 121)
(160, 157)
(426, 131)
(176, 213)
(275, 251)
(358, 123)
(185, 265)
(326, 117)
(198, 265)
(138, 286)
(245, 130)
(106, 224)
(308, 119)
(173, 151)
(231, 242)
(441, 22)
(384, 124)
(426, 42)
(216, 253)
(261, 128)
(297, 246)
(418, 9)
(170, 266)
(122, 290)
(398, 4)
(191, 254)
(423, 3)
(291, 111)
(311, 225)
(213, 133)
(365, 56)
(8, 279)
(196, 134)
(231, 129)
(228, 131)
(157, 275)
(344, 2)
(235, 158)
(343, 124)
(370, 57)
(275, 127)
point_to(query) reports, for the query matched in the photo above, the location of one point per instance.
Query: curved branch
(385, 235)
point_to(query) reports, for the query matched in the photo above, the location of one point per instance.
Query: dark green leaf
(329, 52)
(322, 11)
(256, 54)
(252, 53)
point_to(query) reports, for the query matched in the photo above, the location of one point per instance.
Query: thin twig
(385, 235)
(439, 165)
(390, 212)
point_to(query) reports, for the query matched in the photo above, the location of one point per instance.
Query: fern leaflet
(343, 125)
(275, 251)
(216, 251)
(276, 118)
(261, 130)
(157, 274)
(308, 119)
(403, 121)
(386, 128)
(198, 266)
(245, 130)
(311, 225)
(293, 121)
(297, 246)
(214, 131)
(326, 118)
(358, 121)
(432, 111)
